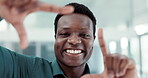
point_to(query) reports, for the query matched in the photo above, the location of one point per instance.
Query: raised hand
(15, 11)
(115, 65)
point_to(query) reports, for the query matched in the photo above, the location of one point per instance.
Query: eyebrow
(84, 28)
(66, 28)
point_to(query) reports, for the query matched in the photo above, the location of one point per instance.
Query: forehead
(75, 20)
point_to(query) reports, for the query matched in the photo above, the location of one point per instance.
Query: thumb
(22, 35)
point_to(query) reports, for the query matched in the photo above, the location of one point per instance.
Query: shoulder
(4, 52)
(9, 55)
(12, 61)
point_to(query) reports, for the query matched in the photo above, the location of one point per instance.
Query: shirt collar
(0, 18)
(87, 70)
(56, 68)
(58, 71)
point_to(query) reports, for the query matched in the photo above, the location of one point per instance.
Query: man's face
(74, 39)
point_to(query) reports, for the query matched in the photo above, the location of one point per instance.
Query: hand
(116, 65)
(15, 11)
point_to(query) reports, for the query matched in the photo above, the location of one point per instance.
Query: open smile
(73, 51)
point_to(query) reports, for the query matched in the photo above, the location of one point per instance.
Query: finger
(109, 63)
(123, 67)
(53, 8)
(92, 76)
(103, 49)
(127, 65)
(102, 42)
(116, 63)
(111, 74)
(21, 3)
(22, 35)
(1, 1)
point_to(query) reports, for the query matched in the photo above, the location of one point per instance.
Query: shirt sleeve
(14, 65)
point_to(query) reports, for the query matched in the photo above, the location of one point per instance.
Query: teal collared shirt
(56, 69)
(58, 73)
(0, 18)
(14, 65)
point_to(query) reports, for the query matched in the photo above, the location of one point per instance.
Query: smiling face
(74, 40)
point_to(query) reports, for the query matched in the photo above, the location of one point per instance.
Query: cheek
(90, 47)
(89, 44)
(59, 43)
(57, 48)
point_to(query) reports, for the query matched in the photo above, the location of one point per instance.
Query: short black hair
(81, 9)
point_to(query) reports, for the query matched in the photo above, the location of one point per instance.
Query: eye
(85, 35)
(64, 34)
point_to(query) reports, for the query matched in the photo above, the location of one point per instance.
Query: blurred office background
(125, 24)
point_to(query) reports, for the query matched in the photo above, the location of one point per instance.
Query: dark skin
(74, 32)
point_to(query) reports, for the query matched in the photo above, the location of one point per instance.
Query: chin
(74, 64)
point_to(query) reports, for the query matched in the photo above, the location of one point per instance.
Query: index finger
(102, 42)
(103, 48)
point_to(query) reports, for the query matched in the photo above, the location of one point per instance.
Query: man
(74, 35)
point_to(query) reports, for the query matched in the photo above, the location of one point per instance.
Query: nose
(74, 39)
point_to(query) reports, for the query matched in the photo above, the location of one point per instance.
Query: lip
(73, 56)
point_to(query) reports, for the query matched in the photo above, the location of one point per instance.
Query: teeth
(73, 51)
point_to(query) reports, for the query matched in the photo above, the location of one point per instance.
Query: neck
(73, 72)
